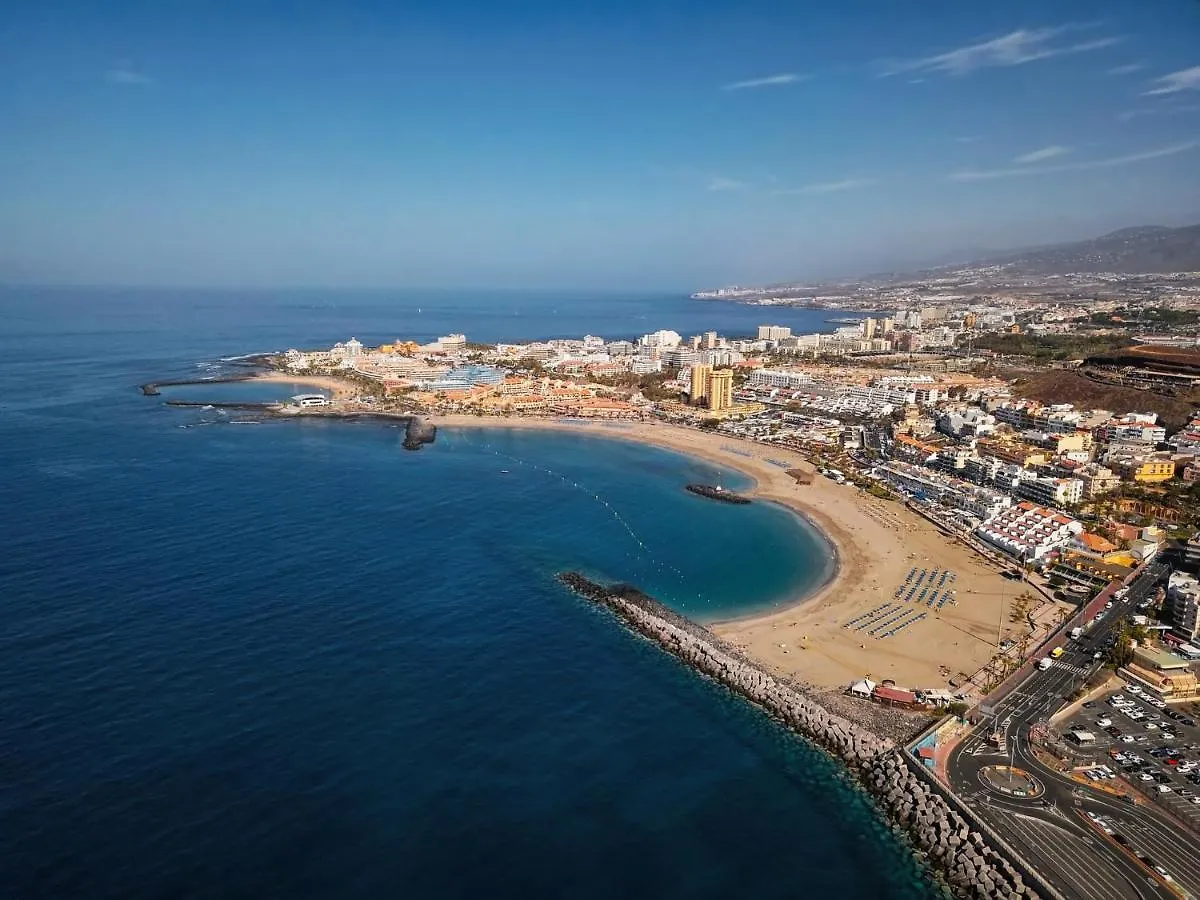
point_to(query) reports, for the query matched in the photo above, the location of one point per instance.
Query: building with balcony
(1029, 532)
(1050, 491)
(1181, 607)
(784, 379)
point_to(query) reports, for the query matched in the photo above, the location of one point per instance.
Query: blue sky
(621, 144)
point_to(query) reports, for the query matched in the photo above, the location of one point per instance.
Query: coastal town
(1008, 484)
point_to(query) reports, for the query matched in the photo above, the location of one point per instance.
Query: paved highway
(1053, 832)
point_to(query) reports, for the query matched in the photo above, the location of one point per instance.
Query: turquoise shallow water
(292, 659)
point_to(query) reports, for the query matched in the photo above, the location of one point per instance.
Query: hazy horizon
(619, 147)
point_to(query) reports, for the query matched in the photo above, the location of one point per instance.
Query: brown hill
(1059, 386)
(1168, 359)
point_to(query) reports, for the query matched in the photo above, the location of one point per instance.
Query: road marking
(1081, 872)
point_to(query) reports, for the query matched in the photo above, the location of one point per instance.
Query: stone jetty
(965, 860)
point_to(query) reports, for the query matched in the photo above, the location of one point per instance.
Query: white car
(1134, 689)
(1163, 789)
(1104, 721)
(1150, 726)
(1146, 776)
(1127, 739)
(1196, 800)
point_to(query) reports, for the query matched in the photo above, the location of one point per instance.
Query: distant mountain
(1130, 251)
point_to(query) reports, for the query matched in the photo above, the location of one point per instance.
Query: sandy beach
(338, 388)
(877, 542)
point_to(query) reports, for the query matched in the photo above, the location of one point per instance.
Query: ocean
(291, 659)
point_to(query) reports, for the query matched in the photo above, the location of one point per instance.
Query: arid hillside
(1061, 386)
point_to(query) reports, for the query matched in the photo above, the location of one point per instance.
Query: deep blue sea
(291, 659)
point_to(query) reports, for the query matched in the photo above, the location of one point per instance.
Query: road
(1053, 831)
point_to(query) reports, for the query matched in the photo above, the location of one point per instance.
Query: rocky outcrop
(961, 856)
(419, 432)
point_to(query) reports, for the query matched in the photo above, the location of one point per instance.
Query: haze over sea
(291, 659)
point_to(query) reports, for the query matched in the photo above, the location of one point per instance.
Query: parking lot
(1154, 746)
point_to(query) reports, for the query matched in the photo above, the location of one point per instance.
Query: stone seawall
(960, 855)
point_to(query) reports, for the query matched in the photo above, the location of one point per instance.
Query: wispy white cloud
(831, 187)
(1016, 48)
(1127, 69)
(125, 73)
(769, 81)
(720, 183)
(1041, 155)
(1166, 109)
(1108, 163)
(1183, 80)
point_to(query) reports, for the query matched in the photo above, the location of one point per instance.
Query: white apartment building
(785, 379)
(1134, 433)
(1181, 608)
(970, 421)
(720, 357)
(874, 394)
(663, 338)
(679, 357)
(982, 503)
(1050, 491)
(1029, 532)
(538, 351)
(928, 396)
(773, 332)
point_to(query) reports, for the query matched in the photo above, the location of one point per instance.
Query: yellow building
(1077, 441)
(1152, 471)
(700, 378)
(720, 390)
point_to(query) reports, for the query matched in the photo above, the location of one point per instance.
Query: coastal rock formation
(419, 432)
(964, 858)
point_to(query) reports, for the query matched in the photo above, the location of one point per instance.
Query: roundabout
(1011, 782)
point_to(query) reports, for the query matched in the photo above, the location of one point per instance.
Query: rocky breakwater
(961, 856)
(418, 432)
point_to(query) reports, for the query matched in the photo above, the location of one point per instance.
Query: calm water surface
(291, 659)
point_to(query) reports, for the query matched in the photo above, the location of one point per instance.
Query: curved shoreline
(833, 571)
(652, 434)
(873, 547)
